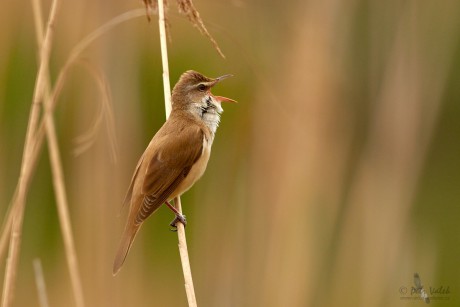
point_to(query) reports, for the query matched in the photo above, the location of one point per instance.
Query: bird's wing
(129, 193)
(169, 165)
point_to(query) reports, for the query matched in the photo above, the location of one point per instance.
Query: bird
(176, 157)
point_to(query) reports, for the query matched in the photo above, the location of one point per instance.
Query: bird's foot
(179, 218)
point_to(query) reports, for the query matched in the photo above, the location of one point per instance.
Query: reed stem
(30, 142)
(189, 289)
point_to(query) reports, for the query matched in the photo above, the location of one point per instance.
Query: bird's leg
(179, 217)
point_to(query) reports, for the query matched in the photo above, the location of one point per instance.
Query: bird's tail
(126, 241)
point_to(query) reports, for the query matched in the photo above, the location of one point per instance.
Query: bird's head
(193, 93)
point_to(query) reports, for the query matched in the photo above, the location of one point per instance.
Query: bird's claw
(179, 218)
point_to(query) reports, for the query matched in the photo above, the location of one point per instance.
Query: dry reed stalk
(40, 282)
(34, 140)
(105, 113)
(58, 178)
(18, 210)
(150, 7)
(189, 289)
(187, 8)
(402, 123)
(6, 226)
(164, 58)
(183, 251)
(39, 137)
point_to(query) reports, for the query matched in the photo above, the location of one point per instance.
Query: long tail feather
(124, 247)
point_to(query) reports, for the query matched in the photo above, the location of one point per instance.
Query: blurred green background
(335, 178)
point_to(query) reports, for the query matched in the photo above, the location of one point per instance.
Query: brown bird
(176, 156)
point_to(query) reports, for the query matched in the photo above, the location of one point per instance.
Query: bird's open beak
(224, 99)
(221, 98)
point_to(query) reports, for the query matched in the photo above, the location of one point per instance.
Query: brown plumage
(176, 156)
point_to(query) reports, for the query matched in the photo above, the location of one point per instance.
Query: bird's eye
(201, 87)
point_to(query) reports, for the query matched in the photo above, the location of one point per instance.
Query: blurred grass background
(335, 178)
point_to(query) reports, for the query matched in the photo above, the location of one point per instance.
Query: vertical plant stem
(40, 282)
(189, 289)
(39, 136)
(15, 240)
(63, 211)
(183, 251)
(58, 175)
(164, 57)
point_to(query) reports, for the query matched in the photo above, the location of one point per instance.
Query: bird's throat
(211, 119)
